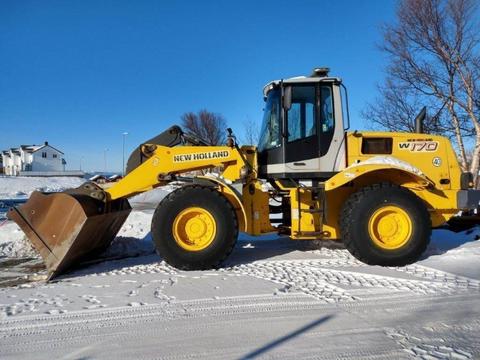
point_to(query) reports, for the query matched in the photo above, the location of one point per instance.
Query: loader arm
(164, 161)
(69, 227)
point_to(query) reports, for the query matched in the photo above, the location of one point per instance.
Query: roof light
(320, 72)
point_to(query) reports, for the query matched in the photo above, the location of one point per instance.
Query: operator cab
(303, 133)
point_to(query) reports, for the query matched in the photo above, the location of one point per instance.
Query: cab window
(301, 115)
(326, 113)
(270, 132)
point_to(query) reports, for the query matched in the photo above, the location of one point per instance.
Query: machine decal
(222, 154)
(419, 146)
(437, 161)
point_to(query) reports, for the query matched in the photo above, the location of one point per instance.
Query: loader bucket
(67, 228)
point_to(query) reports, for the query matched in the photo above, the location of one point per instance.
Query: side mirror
(287, 97)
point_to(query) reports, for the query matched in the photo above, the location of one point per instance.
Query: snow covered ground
(18, 186)
(15, 190)
(275, 298)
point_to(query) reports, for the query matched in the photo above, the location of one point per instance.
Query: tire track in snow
(425, 348)
(294, 277)
(167, 311)
(219, 307)
(42, 332)
(439, 276)
(324, 279)
(37, 333)
(160, 267)
(340, 258)
(318, 279)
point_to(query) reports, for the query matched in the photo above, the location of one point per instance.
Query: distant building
(33, 158)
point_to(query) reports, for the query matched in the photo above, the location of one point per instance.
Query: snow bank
(133, 239)
(13, 242)
(150, 199)
(457, 253)
(445, 241)
(17, 186)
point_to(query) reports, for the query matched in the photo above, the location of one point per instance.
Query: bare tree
(434, 56)
(397, 106)
(251, 132)
(208, 126)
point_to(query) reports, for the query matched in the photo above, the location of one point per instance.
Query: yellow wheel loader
(381, 193)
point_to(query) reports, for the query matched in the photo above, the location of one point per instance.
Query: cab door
(301, 140)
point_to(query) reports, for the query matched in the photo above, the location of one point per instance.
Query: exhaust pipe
(419, 120)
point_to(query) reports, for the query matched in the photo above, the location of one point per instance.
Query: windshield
(270, 132)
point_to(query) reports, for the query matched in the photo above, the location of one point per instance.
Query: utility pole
(123, 163)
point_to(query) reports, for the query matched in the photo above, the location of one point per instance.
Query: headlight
(243, 172)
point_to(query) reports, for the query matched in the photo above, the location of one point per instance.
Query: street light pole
(105, 160)
(123, 152)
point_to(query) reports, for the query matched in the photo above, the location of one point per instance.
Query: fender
(388, 167)
(231, 194)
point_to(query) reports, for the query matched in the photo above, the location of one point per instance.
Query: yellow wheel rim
(390, 227)
(194, 229)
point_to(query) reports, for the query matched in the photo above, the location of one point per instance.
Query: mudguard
(398, 171)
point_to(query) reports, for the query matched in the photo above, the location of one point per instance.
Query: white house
(6, 162)
(39, 158)
(11, 161)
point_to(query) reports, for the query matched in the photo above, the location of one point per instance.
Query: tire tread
(346, 218)
(171, 199)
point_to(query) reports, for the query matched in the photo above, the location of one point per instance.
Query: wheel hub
(194, 229)
(390, 227)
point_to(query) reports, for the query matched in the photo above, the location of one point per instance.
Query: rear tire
(194, 228)
(385, 224)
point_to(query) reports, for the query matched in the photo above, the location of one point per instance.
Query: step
(312, 211)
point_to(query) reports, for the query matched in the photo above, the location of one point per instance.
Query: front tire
(194, 228)
(385, 224)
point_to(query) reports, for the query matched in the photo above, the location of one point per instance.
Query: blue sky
(80, 73)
